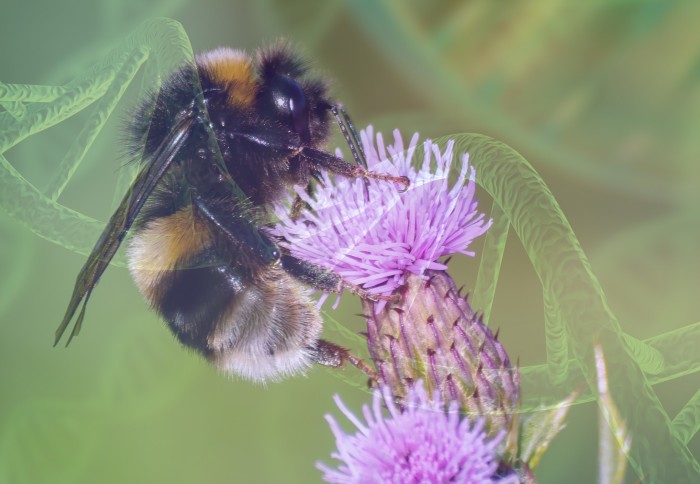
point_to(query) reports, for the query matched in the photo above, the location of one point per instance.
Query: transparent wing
(119, 224)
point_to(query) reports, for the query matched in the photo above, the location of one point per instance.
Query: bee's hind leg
(324, 352)
(330, 354)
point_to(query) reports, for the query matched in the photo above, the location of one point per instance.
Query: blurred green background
(601, 97)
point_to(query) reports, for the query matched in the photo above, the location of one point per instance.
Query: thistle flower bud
(433, 335)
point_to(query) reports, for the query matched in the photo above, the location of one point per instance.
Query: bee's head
(289, 97)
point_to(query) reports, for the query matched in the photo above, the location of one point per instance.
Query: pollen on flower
(374, 235)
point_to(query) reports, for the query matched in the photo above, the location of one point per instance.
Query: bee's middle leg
(325, 279)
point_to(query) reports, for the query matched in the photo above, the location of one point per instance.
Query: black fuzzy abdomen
(193, 299)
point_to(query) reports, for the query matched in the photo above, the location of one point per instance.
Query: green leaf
(614, 440)
(539, 429)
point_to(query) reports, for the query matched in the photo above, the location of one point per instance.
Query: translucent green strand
(163, 43)
(577, 310)
(490, 263)
(687, 422)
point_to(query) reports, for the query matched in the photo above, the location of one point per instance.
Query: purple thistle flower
(375, 242)
(421, 442)
(389, 242)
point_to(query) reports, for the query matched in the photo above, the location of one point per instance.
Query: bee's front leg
(327, 161)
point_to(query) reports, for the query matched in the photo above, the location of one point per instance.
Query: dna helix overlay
(576, 317)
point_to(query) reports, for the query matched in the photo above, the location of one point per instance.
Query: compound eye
(290, 104)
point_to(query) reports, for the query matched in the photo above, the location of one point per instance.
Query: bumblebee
(211, 164)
